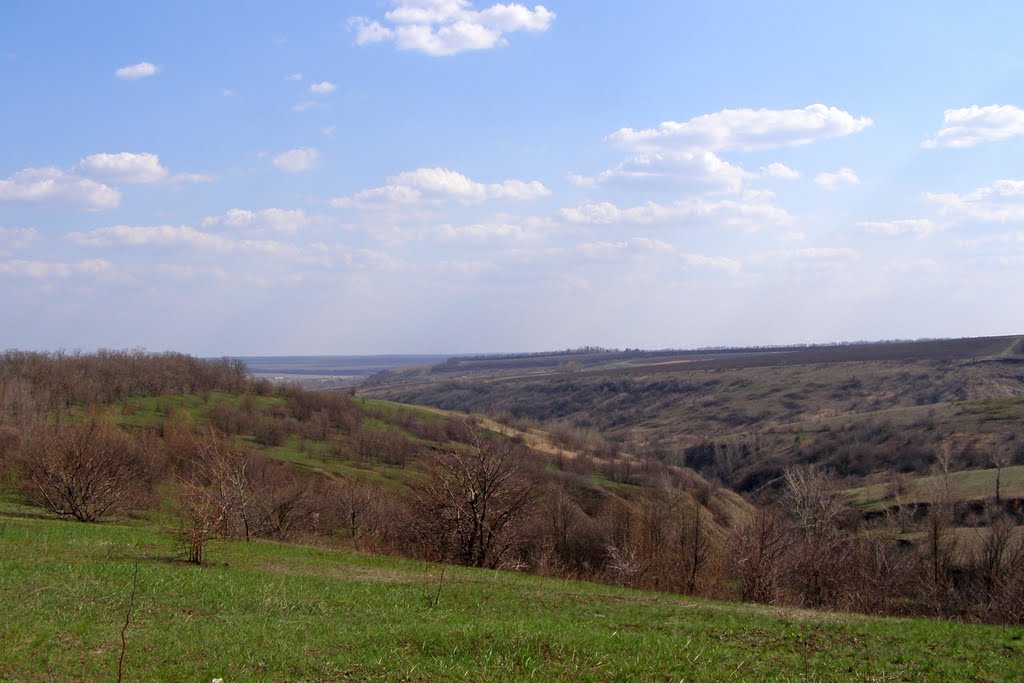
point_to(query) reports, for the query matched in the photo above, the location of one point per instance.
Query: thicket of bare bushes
(481, 499)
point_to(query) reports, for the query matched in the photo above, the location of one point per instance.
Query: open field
(268, 611)
(330, 372)
(970, 485)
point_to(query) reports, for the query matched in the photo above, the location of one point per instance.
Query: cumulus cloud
(913, 226)
(744, 129)
(752, 210)
(134, 72)
(997, 203)
(780, 171)
(968, 126)
(322, 88)
(685, 155)
(700, 171)
(129, 167)
(280, 220)
(51, 186)
(48, 270)
(447, 27)
(130, 235)
(297, 160)
(723, 263)
(125, 167)
(436, 184)
(832, 181)
(495, 230)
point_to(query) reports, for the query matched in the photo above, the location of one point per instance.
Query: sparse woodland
(596, 510)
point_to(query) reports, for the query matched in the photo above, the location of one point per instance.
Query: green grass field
(267, 611)
(969, 485)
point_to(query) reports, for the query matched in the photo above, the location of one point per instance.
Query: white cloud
(780, 171)
(988, 240)
(124, 167)
(968, 126)
(435, 184)
(482, 232)
(47, 270)
(183, 272)
(17, 238)
(699, 171)
(293, 77)
(915, 226)
(725, 264)
(602, 250)
(370, 259)
(832, 181)
(321, 88)
(684, 156)
(467, 267)
(752, 210)
(186, 236)
(329, 130)
(129, 167)
(652, 244)
(93, 266)
(297, 160)
(137, 71)
(54, 187)
(304, 105)
(280, 220)
(129, 235)
(816, 256)
(447, 27)
(1000, 202)
(388, 195)
(612, 251)
(921, 265)
(744, 129)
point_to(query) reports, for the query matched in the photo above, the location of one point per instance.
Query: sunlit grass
(269, 611)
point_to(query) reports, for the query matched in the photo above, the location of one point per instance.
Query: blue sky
(456, 176)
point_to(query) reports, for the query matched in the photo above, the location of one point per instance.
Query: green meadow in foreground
(269, 611)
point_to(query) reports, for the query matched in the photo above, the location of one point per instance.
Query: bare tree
(354, 502)
(759, 545)
(471, 499)
(694, 545)
(998, 556)
(819, 567)
(999, 459)
(83, 471)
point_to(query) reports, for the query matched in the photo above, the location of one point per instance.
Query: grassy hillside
(856, 409)
(268, 611)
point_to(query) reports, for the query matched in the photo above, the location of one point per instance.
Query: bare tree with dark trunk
(471, 499)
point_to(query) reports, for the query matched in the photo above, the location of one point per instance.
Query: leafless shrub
(470, 500)
(83, 471)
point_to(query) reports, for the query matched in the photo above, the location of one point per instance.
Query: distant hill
(857, 408)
